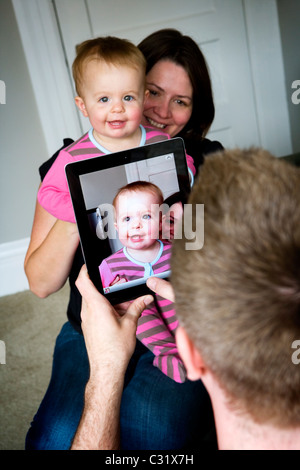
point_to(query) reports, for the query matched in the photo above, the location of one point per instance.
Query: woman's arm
(50, 253)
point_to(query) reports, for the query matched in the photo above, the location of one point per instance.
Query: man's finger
(83, 282)
(87, 289)
(137, 307)
(161, 287)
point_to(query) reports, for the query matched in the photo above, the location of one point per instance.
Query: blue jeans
(156, 412)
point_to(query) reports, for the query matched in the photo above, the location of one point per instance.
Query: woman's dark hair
(170, 44)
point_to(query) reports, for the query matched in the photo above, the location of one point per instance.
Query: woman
(181, 100)
(156, 412)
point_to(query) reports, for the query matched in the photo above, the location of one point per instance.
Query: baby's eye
(104, 99)
(146, 216)
(126, 219)
(128, 98)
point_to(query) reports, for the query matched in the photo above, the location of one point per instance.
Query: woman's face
(170, 221)
(170, 101)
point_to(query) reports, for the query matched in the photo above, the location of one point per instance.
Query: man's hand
(110, 338)
(161, 287)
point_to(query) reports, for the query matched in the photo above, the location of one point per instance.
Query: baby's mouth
(116, 123)
(136, 238)
(156, 124)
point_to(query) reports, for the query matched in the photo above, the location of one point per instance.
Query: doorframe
(41, 40)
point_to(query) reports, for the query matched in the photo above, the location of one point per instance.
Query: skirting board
(12, 276)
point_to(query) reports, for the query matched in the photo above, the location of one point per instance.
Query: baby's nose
(117, 106)
(136, 223)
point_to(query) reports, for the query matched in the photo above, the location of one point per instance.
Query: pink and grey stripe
(157, 324)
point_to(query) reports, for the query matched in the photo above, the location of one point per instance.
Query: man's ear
(190, 355)
(81, 106)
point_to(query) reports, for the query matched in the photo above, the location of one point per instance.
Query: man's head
(238, 298)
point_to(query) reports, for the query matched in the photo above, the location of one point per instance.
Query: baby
(138, 223)
(109, 75)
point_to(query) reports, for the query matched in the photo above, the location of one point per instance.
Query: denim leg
(160, 414)
(57, 418)
(156, 412)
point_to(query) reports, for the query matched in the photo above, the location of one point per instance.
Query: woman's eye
(169, 221)
(180, 103)
(153, 92)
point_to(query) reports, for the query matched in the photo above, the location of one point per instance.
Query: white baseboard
(12, 276)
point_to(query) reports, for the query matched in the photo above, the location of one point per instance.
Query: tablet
(118, 270)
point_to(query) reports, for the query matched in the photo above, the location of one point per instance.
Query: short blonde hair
(239, 296)
(111, 50)
(144, 186)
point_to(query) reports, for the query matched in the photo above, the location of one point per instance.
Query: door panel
(218, 26)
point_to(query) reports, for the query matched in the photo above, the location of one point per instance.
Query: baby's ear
(80, 105)
(147, 93)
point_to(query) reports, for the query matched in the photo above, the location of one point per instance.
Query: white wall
(22, 150)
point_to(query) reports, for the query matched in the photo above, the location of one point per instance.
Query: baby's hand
(118, 280)
(120, 308)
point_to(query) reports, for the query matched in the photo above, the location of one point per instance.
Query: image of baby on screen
(138, 223)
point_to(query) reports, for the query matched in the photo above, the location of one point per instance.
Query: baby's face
(138, 219)
(113, 100)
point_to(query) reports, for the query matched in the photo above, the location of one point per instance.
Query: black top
(196, 149)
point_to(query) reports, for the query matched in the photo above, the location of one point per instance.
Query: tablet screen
(126, 205)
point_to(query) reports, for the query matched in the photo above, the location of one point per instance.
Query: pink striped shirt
(157, 324)
(54, 195)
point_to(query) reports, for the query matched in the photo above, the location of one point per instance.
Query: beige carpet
(28, 327)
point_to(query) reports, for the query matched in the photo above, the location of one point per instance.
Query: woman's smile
(169, 104)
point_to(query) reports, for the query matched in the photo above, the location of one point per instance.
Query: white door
(218, 27)
(160, 171)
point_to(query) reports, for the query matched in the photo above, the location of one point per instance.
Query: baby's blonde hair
(136, 186)
(109, 49)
